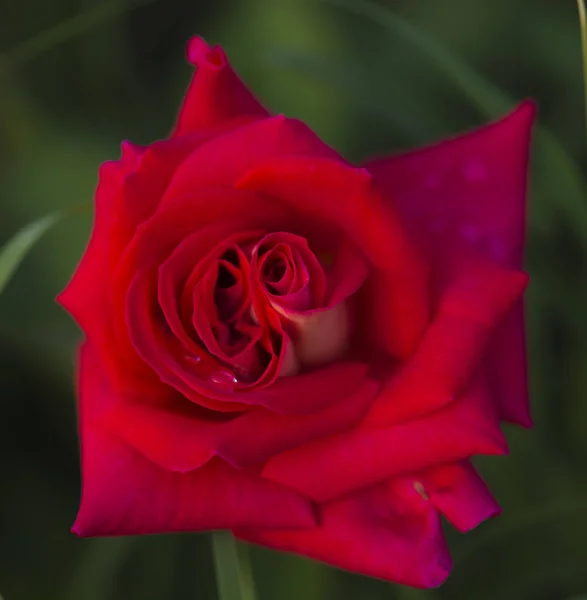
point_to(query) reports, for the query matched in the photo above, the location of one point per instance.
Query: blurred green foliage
(367, 84)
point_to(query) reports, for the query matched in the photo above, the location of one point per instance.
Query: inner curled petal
(288, 271)
(308, 295)
(225, 328)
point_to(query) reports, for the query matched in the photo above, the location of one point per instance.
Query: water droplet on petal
(420, 489)
(223, 378)
(191, 357)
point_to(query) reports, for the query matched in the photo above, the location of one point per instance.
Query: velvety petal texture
(302, 351)
(467, 196)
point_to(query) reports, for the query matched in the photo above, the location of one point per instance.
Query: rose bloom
(302, 351)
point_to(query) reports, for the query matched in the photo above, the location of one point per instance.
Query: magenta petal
(458, 492)
(468, 312)
(468, 196)
(471, 188)
(311, 391)
(335, 195)
(384, 532)
(125, 493)
(367, 455)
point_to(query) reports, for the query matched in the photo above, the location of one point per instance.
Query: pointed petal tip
(199, 53)
(76, 529)
(522, 117)
(527, 108)
(439, 573)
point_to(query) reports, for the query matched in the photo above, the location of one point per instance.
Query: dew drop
(223, 378)
(191, 357)
(420, 489)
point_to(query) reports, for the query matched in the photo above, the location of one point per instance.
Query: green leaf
(13, 252)
(583, 25)
(100, 565)
(233, 575)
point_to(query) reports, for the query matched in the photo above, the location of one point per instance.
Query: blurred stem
(100, 564)
(583, 25)
(233, 573)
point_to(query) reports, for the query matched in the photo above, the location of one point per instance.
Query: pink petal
(346, 462)
(387, 531)
(125, 493)
(216, 94)
(467, 196)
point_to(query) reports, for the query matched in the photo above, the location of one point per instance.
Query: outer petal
(457, 339)
(468, 196)
(346, 462)
(215, 94)
(228, 157)
(124, 493)
(388, 531)
(183, 440)
(458, 492)
(129, 191)
(91, 274)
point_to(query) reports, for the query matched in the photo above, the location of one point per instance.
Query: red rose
(302, 351)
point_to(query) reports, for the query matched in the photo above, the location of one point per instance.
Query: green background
(367, 86)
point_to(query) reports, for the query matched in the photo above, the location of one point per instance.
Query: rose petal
(308, 280)
(335, 195)
(181, 439)
(124, 493)
(388, 532)
(194, 253)
(322, 336)
(453, 345)
(468, 196)
(228, 157)
(458, 492)
(159, 236)
(216, 94)
(308, 392)
(190, 374)
(346, 462)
